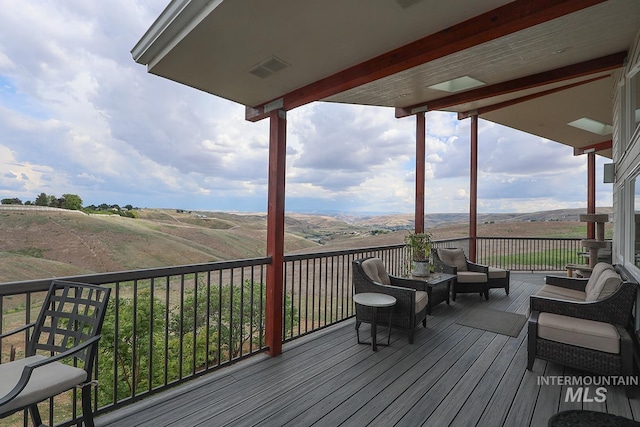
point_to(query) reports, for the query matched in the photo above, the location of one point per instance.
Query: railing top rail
(12, 288)
(573, 239)
(326, 254)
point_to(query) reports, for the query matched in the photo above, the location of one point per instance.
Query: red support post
(275, 231)
(591, 193)
(420, 171)
(473, 190)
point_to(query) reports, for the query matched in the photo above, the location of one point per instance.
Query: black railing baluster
(207, 324)
(151, 334)
(181, 346)
(166, 330)
(195, 323)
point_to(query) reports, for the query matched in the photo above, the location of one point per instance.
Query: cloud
(79, 116)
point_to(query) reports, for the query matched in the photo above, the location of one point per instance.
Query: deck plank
(452, 375)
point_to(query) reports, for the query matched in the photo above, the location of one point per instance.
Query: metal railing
(529, 253)
(522, 253)
(168, 325)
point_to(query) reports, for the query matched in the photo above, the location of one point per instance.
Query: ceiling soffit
(571, 39)
(368, 78)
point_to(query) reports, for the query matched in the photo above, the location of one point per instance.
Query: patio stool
(498, 278)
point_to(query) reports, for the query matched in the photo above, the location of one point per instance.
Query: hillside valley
(42, 244)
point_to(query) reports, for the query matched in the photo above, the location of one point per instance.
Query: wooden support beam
(420, 171)
(275, 231)
(605, 63)
(473, 190)
(510, 18)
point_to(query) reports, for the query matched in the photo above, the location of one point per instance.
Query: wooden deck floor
(451, 375)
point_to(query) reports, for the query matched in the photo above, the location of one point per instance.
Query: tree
(220, 319)
(71, 201)
(12, 201)
(42, 200)
(235, 315)
(132, 374)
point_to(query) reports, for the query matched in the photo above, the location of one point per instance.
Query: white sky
(79, 116)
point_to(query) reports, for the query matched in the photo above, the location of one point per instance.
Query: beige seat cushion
(579, 332)
(422, 298)
(471, 277)
(374, 269)
(497, 273)
(453, 257)
(559, 292)
(608, 282)
(46, 381)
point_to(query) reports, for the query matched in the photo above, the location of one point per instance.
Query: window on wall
(636, 216)
(635, 102)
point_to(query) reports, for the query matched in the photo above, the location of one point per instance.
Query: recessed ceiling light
(592, 126)
(457, 85)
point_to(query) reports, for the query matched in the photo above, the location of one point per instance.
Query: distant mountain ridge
(405, 221)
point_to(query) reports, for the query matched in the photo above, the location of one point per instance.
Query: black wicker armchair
(369, 275)
(470, 277)
(60, 352)
(608, 347)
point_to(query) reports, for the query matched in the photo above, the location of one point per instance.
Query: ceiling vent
(268, 67)
(407, 3)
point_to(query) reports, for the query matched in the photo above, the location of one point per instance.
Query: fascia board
(177, 20)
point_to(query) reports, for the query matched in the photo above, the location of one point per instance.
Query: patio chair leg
(35, 415)
(424, 322)
(87, 412)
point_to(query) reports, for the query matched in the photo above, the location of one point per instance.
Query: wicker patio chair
(370, 275)
(608, 347)
(60, 352)
(470, 277)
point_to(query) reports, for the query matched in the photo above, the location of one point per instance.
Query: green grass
(32, 252)
(551, 257)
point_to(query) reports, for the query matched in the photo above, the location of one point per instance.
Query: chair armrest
(615, 310)
(479, 268)
(445, 268)
(567, 282)
(15, 331)
(404, 282)
(28, 369)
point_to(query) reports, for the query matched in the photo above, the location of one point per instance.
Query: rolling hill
(41, 244)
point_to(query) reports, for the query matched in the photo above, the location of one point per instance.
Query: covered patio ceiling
(542, 63)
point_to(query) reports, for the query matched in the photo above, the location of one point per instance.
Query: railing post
(420, 171)
(473, 189)
(591, 193)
